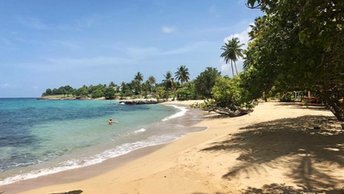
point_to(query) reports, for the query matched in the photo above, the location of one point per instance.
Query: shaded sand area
(276, 148)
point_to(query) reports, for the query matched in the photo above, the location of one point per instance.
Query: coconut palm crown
(232, 52)
(139, 77)
(182, 74)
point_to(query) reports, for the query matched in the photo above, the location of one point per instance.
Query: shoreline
(68, 175)
(186, 165)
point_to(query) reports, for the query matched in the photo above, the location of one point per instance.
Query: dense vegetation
(178, 87)
(298, 45)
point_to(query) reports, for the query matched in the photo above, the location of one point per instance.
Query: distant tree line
(175, 86)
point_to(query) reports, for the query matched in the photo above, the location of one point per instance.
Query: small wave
(181, 113)
(140, 130)
(96, 159)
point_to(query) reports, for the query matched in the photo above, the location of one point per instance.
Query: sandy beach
(277, 147)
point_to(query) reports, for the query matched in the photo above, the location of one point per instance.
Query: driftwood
(229, 112)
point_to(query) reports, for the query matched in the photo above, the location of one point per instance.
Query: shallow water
(39, 137)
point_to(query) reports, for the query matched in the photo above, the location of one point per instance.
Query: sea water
(41, 137)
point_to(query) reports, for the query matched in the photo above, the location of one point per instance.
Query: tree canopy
(205, 82)
(231, 53)
(298, 45)
(182, 74)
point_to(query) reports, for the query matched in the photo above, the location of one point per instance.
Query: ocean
(41, 137)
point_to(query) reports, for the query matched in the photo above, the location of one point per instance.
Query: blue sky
(47, 44)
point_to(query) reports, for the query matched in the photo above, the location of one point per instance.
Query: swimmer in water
(110, 121)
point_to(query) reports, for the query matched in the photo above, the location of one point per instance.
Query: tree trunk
(332, 101)
(236, 70)
(232, 68)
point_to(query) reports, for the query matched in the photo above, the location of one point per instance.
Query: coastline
(91, 170)
(183, 166)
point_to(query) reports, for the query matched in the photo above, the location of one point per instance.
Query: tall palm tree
(168, 81)
(182, 74)
(232, 52)
(139, 77)
(151, 80)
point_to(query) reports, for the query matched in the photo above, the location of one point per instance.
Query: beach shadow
(207, 193)
(70, 192)
(275, 188)
(297, 143)
(298, 105)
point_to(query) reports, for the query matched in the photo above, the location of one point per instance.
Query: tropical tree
(168, 81)
(299, 45)
(205, 82)
(152, 80)
(182, 74)
(126, 90)
(187, 91)
(139, 77)
(109, 93)
(232, 52)
(113, 85)
(136, 83)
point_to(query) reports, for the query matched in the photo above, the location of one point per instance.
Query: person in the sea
(110, 121)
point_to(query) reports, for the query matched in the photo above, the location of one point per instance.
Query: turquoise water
(39, 137)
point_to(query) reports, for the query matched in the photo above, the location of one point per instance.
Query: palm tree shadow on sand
(298, 143)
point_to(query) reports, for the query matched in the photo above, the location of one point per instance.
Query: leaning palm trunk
(232, 68)
(236, 70)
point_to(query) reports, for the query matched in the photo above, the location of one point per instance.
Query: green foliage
(287, 97)
(136, 86)
(228, 92)
(109, 93)
(299, 45)
(187, 91)
(161, 93)
(182, 74)
(82, 92)
(205, 82)
(125, 90)
(231, 52)
(63, 90)
(139, 77)
(168, 81)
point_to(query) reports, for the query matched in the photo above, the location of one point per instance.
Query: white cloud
(225, 69)
(168, 29)
(242, 36)
(244, 39)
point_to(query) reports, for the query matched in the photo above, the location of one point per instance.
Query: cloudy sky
(46, 44)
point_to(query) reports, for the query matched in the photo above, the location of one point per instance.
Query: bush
(227, 92)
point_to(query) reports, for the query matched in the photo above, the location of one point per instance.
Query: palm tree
(182, 74)
(168, 81)
(151, 80)
(232, 52)
(139, 77)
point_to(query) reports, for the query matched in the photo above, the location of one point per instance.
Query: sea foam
(140, 130)
(96, 159)
(181, 113)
